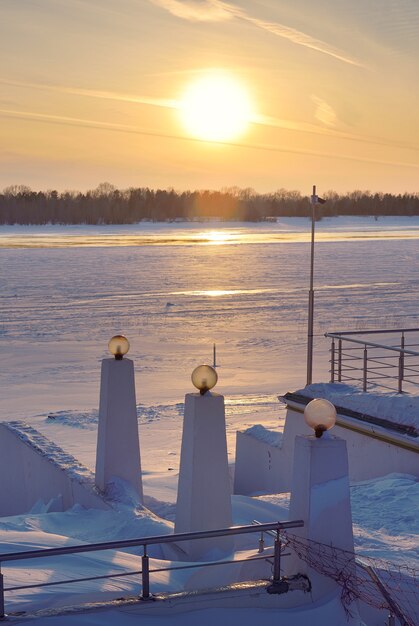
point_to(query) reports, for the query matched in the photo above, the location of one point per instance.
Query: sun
(215, 107)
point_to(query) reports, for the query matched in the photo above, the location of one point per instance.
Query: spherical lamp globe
(320, 415)
(118, 346)
(204, 378)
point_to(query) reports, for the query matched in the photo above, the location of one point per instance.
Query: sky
(323, 92)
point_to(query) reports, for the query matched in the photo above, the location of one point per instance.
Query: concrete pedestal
(320, 496)
(118, 449)
(204, 492)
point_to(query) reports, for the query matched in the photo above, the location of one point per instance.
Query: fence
(394, 365)
(376, 582)
(145, 561)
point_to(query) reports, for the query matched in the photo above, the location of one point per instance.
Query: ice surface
(61, 305)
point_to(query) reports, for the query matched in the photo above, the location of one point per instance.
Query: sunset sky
(208, 93)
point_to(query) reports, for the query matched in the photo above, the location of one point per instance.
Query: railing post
(340, 360)
(365, 371)
(277, 560)
(277, 585)
(401, 373)
(261, 543)
(332, 361)
(145, 567)
(2, 615)
(401, 365)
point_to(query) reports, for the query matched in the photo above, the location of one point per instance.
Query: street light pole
(311, 293)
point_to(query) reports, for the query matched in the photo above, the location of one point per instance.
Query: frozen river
(175, 289)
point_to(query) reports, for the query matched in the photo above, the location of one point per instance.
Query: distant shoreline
(108, 205)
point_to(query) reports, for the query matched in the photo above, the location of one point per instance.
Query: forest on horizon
(108, 205)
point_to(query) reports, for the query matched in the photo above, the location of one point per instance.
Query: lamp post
(118, 446)
(204, 493)
(320, 496)
(313, 200)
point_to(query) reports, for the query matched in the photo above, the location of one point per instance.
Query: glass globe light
(204, 378)
(118, 346)
(320, 415)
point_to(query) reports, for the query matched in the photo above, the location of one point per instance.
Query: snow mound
(394, 407)
(261, 433)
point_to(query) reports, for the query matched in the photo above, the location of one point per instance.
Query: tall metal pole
(311, 295)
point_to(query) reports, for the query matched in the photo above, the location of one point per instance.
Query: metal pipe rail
(384, 365)
(370, 343)
(393, 607)
(380, 331)
(145, 542)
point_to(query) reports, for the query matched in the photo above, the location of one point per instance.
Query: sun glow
(216, 108)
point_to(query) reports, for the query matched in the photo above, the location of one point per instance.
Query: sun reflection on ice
(217, 237)
(216, 293)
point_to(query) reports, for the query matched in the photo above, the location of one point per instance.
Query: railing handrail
(376, 332)
(375, 358)
(371, 344)
(145, 559)
(147, 541)
(372, 573)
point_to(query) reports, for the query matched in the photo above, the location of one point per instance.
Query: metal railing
(354, 358)
(145, 559)
(395, 610)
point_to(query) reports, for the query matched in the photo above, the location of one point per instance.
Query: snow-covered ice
(61, 305)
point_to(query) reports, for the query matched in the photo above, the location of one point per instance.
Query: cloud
(94, 93)
(65, 120)
(217, 10)
(122, 128)
(195, 10)
(324, 112)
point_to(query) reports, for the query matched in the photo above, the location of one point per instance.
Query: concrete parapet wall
(34, 469)
(373, 451)
(258, 465)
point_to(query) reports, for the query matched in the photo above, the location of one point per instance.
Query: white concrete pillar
(204, 492)
(320, 497)
(118, 449)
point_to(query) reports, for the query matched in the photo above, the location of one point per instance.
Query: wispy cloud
(217, 10)
(94, 93)
(324, 111)
(316, 129)
(65, 120)
(196, 10)
(31, 116)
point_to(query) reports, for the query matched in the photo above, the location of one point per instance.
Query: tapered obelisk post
(320, 497)
(204, 492)
(118, 448)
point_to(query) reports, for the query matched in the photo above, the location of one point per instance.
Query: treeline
(107, 205)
